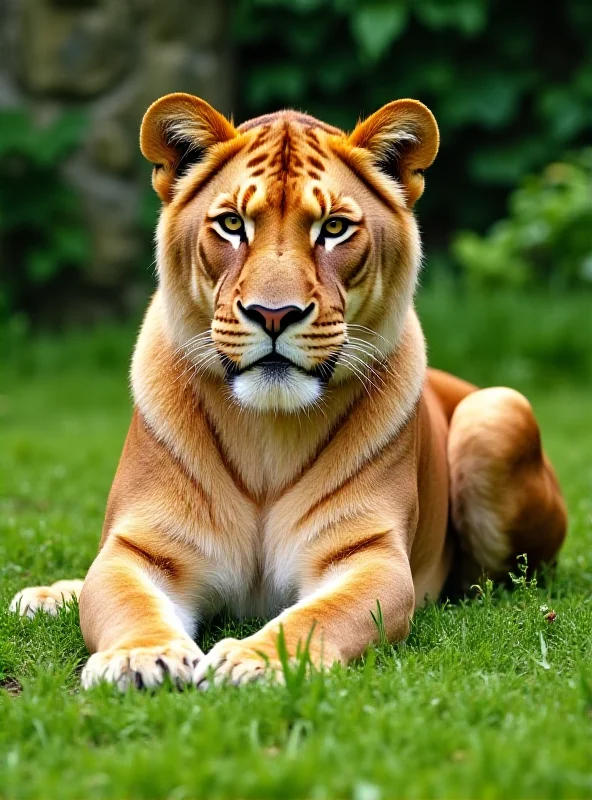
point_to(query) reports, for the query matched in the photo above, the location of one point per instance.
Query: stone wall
(111, 58)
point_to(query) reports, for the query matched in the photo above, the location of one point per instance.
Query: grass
(487, 698)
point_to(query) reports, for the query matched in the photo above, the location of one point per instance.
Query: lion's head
(287, 250)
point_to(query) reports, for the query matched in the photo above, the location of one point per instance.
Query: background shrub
(41, 231)
(547, 237)
(509, 83)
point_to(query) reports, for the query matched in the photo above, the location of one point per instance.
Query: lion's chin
(286, 390)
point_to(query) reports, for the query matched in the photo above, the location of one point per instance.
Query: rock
(111, 208)
(176, 68)
(10, 97)
(77, 49)
(110, 59)
(116, 118)
(111, 147)
(197, 24)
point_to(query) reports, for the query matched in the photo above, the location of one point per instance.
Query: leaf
(467, 16)
(488, 97)
(378, 620)
(285, 82)
(506, 164)
(377, 26)
(564, 113)
(42, 265)
(543, 662)
(15, 132)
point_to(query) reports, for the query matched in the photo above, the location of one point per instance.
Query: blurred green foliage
(509, 83)
(547, 238)
(41, 231)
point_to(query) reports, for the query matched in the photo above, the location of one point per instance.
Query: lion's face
(288, 253)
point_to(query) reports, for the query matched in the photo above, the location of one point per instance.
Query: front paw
(49, 599)
(143, 667)
(237, 662)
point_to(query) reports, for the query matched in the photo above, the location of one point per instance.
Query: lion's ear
(176, 133)
(403, 139)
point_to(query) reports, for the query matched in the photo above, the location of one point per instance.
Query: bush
(41, 230)
(510, 83)
(546, 238)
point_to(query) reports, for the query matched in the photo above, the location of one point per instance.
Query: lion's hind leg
(29, 601)
(505, 498)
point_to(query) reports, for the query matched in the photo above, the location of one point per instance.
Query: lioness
(290, 455)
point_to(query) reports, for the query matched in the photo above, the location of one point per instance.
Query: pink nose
(275, 320)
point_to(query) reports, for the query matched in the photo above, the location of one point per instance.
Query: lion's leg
(350, 573)
(138, 611)
(505, 498)
(45, 598)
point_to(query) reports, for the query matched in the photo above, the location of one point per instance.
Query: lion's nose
(275, 320)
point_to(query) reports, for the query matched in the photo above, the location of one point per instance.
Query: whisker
(196, 353)
(381, 363)
(197, 348)
(360, 349)
(189, 347)
(363, 378)
(363, 375)
(195, 364)
(369, 330)
(325, 370)
(318, 404)
(192, 340)
(205, 363)
(367, 366)
(200, 367)
(384, 363)
(358, 340)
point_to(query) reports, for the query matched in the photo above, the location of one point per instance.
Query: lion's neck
(270, 451)
(266, 453)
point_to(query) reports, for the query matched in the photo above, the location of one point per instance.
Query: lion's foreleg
(137, 611)
(365, 594)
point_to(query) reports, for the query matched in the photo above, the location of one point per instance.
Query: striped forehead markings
(248, 194)
(253, 162)
(316, 163)
(320, 198)
(260, 139)
(314, 143)
(286, 156)
(283, 153)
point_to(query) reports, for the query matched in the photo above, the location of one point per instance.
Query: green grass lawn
(486, 699)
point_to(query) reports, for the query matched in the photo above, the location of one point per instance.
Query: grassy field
(486, 699)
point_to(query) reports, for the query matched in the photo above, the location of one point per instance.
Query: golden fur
(305, 472)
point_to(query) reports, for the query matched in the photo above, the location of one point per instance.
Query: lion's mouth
(276, 366)
(274, 362)
(276, 383)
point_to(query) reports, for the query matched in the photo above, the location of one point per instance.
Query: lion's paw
(143, 667)
(49, 599)
(238, 662)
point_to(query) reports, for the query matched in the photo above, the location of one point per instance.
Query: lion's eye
(232, 223)
(336, 226)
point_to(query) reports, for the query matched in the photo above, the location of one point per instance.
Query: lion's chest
(262, 598)
(257, 570)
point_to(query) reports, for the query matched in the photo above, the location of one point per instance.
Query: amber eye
(334, 227)
(232, 223)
